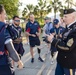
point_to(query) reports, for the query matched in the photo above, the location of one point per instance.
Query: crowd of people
(59, 35)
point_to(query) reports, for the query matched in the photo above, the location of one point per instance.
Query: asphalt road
(37, 68)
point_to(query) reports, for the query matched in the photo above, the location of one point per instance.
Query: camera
(45, 39)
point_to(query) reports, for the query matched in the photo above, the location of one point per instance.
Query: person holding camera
(66, 46)
(46, 29)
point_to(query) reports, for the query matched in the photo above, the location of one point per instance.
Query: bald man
(66, 59)
(33, 31)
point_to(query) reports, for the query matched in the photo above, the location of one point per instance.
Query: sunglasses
(17, 20)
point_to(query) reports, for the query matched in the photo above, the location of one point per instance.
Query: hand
(60, 36)
(33, 35)
(50, 37)
(18, 40)
(38, 34)
(53, 34)
(20, 64)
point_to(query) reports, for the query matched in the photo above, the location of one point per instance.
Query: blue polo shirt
(57, 30)
(32, 28)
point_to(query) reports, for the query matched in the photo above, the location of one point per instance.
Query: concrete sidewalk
(37, 68)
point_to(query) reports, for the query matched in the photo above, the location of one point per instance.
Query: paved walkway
(37, 68)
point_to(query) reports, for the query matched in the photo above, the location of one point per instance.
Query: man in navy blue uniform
(15, 32)
(6, 48)
(57, 32)
(66, 46)
(33, 31)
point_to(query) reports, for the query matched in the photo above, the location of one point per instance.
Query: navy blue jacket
(4, 35)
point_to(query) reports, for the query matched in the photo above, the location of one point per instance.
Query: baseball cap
(47, 18)
(56, 21)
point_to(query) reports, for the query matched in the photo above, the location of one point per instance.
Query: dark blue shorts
(33, 43)
(19, 48)
(53, 49)
(6, 70)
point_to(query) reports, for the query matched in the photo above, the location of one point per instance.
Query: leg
(52, 53)
(38, 49)
(32, 44)
(27, 38)
(69, 71)
(59, 70)
(48, 48)
(31, 51)
(6, 70)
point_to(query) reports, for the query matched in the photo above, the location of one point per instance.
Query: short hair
(1, 8)
(31, 14)
(15, 17)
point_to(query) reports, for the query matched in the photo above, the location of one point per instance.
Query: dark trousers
(61, 71)
(6, 70)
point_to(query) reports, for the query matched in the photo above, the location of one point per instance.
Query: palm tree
(42, 8)
(56, 5)
(27, 10)
(24, 12)
(70, 3)
(30, 8)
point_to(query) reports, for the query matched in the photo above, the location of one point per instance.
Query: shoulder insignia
(70, 42)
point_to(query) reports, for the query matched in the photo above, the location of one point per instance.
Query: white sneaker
(52, 61)
(27, 43)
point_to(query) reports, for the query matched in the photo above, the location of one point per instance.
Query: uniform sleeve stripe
(28, 30)
(8, 40)
(38, 28)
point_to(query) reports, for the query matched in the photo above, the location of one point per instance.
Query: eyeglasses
(17, 20)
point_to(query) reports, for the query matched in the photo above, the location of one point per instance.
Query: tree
(69, 2)
(40, 10)
(56, 5)
(11, 7)
(43, 8)
(27, 10)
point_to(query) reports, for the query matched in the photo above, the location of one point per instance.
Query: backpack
(47, 31)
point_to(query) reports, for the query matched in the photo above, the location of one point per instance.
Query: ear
(0, 15)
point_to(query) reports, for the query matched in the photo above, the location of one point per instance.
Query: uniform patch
(35, 24)
(70, 42)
